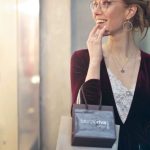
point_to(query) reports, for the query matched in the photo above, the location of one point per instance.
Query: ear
(131, 11)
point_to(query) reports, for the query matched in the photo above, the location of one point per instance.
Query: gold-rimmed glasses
(102, 4)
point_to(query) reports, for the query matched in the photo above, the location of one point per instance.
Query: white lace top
(123, 97)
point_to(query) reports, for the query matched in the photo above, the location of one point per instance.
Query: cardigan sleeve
(91, 91)
(91, 88)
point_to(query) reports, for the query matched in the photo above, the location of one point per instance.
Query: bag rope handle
(85, 101)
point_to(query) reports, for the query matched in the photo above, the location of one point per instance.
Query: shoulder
(83, 53)
(79, 64)
(80, 57)
(145, 56)
(145, 61)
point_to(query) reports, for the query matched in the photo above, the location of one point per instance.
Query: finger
(94, 30)
(101, 32)
(95, 35)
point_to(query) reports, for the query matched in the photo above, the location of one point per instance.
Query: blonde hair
(141, 20)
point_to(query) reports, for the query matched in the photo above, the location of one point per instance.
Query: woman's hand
(94, 44)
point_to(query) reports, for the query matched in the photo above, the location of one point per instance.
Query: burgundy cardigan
(135, 132)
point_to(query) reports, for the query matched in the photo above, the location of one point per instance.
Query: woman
(118, 68)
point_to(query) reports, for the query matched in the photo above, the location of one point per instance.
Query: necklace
(119, 62)
(124, 64)
(131, 74)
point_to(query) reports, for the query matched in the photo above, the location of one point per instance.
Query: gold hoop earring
(127, 25)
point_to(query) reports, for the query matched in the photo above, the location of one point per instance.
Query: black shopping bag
(93, 125)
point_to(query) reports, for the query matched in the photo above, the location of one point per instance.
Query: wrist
(95, 62)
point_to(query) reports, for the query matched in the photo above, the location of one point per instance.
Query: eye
(106, 3)
(95, 4)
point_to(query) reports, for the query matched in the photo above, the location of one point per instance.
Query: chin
(106, 33)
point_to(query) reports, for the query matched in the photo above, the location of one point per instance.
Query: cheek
(115, 19)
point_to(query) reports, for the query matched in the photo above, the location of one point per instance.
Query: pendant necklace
(122, 70)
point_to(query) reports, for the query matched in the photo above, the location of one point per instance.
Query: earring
(127, 25)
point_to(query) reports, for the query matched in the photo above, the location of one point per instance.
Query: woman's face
(109, 13)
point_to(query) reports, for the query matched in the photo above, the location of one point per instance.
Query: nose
(97, 11)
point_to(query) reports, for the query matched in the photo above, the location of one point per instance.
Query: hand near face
(94, 43)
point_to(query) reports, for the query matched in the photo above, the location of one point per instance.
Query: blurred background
(37, 39)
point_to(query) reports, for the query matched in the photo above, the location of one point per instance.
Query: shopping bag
(93, 125)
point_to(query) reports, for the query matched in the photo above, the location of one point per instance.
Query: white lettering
(96, 123)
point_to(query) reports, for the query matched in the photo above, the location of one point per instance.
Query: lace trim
(123, 96)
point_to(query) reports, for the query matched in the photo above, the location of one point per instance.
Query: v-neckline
(135, 91)
(132, 88)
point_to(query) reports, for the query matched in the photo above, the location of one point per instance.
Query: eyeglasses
(102, 4)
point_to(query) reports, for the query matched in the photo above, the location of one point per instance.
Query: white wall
(81, 23)
(55, 52)
(8, 76)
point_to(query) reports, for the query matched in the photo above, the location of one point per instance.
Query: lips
(100, 21)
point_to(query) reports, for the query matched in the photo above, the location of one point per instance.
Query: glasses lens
(103, 4)
(93, 4)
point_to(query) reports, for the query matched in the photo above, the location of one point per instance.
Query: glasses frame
(100, 6)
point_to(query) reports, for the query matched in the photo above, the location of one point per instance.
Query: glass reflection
(28, 73)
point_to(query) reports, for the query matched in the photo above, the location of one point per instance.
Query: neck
(122, 45)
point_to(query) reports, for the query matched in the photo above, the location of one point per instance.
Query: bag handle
(85, 101)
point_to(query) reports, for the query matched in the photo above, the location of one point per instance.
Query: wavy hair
(141, 20)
